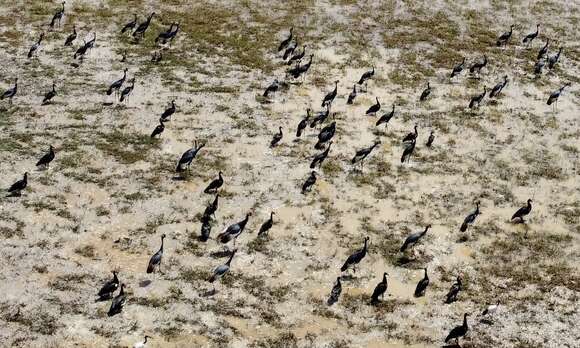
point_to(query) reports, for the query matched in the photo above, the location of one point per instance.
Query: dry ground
(111, 192)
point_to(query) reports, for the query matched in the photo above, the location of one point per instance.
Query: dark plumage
(319, 158)
(477, 66)
(356, 257)
(458, 331)
(476, 99)
(155, 261)
(325, 135)
(470, 219)
(10, 92)
(297, 57)
(276, 138)
(266, 226)
(117, 84)
(300, 69)
(187, 157)
(205, 230)
(457, 69)
(361, 154)
(211, 209)
(366, 76)
(531, 36)
(413, 238)
(72, 37)
(16, 188)
(374, 108)
(554, 59)
(215, 184)
(386, 117)
(430, 140)
(539, 66)
(118, 302)
(555, 95)
(233, 231)
(221, 270)
(81, 51)
(311, 180)
(166, 115)
(411, 136)
(523, 211)
(127, 91)
(380, 290)
(165, 35)
(426, 92)
(454, 291)
(159, 129)
(496, 90)
(290, 50)
(36, 46)
(543, 50)
(286, 41)
(329, 97)
(352, 95)
(408, 151)
(49, 95)
(130, 25)
(57, 16)
(140, 31)
(320, 117)
(272, 88)
(335, 292)
(109, 287)
(45, 160)
(505, 37)
(422, 285)
(303, 123)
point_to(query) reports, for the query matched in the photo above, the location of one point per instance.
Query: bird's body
(35, 46)
(303, 123)
(386, 117)
(334, 293)
(310, 181)
(290, 49)
(45, 160)
(158, 129)
(211, 208)
(408, 151)
(10, 92)
(300, 69)
(57, 17)
(497, 89)
(49, 95)
(187, 157)
(470, 219)
(458, 331)
(205, 230)
(361, 154)
(454, 291)
(81, 51)
(523, 211)
(556, 94)
(233, 231)
(422, 285)
(430, 140)
(491, 309)
(426, 92)
(127, 91)
(412, 136)
(554, 59)
(286, 41)
(352, 95)
(140, 31)
(17, 188)
(505, 37)
(166, 115)
(164, 36)
(297, 57)
(272, 88)
(320, 117)
(155, 260)
(266, 226)
(325, 135)
(544, 50)
(109, 287)
(221, 270)
(118, 302)
(329, 97)
(355, 258)
(366, 76)
(413, 238)
(374, 108)
(276, 138)
(130, 25)
(380, 290)
(215, 184)
(477, 66)
(477, 99)
(115, 86)
(531, 36)
(319, 158)
(539, 66)
(72, 37)
(457, 69)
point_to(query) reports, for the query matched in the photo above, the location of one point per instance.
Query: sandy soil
(112, 192)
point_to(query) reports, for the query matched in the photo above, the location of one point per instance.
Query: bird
(422, 285)
(290, 49)
(496, 90)
(141, 344)
(45, 160)
(408, 151)
(187, 157)
(276, 138)
(266, 226)
(430, 140)
(300, 69)
(380, 290)
(476, 99)
(272, 88)
(155, 261)
(366, 76)
(140, 31)
(334, 293)
(233, 231)
(156, 57)
(310, 181)
(286, 41)
(158, 129)
(554, 59)
(57, 16)
(425, 93)
(556, 94)
(413, 238)
(72, 37)
(329, 97)
(109, 287)
(470, 219)
(386, 117)
(458, 331)
(361, 154)
(49, 95)
(166, 115)
(412, 135)
(118, 302)
(297, 57)
(530, 37)
(130, 25)
(114, 87)
(374, 108)
(454, 291)
(215, 184)
(457, 69)
(127, 91)
(356, 257)
(491, 309)
(165, 35)
(221, 270)
(81, 51)
(320, 117)
(505, 37)
(539, 66)
(36, 46)
(172, 34)
(544, 49)
(352, 95)
(205, 230)
(303, 123)
(17, 188)
(10, 92)
(325, 135)
(211, 208)
(319, 158)
(477, 66)
(523, 211)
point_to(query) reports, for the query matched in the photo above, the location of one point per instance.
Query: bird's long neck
(245, 221)
(162, 241)
(215, 201)
(426, 277)
(115, 279)
(145, 340)
(385, 278)
(122, 292)
(415, 130)
(271, 216)
(365, 246)
(465, 321)
(220, 176)
(230, 259)
(53, 87)
(425, 231)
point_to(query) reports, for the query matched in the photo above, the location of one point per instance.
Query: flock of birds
(288, 49)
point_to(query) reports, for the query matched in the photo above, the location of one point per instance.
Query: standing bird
(310, 181)
(425, 93)
(374, 108)
(380, 290)
(215, 184)
(356, 257)
(45, 160)
(266, 226)
(555, 95)
(544, 50)
(115, 86)
(335, 292)
(411, 136)
(36, 46)
(57, 17)
(286, 41)
(141, 344)
(272, 88)
(158, 130)
(491, 309)
(127, 91)
(366, 76)
(476, 99)
(72, 37)
(458, 331)
(319, 158)
(352, 95)
(164, 35)
(413, 238)
(290, 49)
(17, 188)
(187, 157)
(276, 138)
(496, 90)
(408, 151)
(211, 208)
(361, 154)
(530, 37)
(325, 135)
(303, 123)
(300, 69)
(457, 69)
(454, 291)
(320, 117)
(297, 57)
(554, 59)
(140, 31)
(470, 219)
(329, 97)
(109, 287)
(221, 270)
(477, 66)
(233, 231)
(130, 26)
(430, 140)
(166, 115)
(539, 66)
(49, 95)
(386, 117)
(10, 92)
(422, 285)
(205, 230)
(118, 302)
(523, 211)
(155, 261)
(505, 37)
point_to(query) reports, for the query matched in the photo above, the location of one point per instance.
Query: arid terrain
(112, 190)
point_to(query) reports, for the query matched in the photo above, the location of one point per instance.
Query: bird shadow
(486, 321)
(347, 277)
(107, 103)
(145, 283)
(103, 298)
(14, 194)
(178, 178)
(220, 254)
(209, 293)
